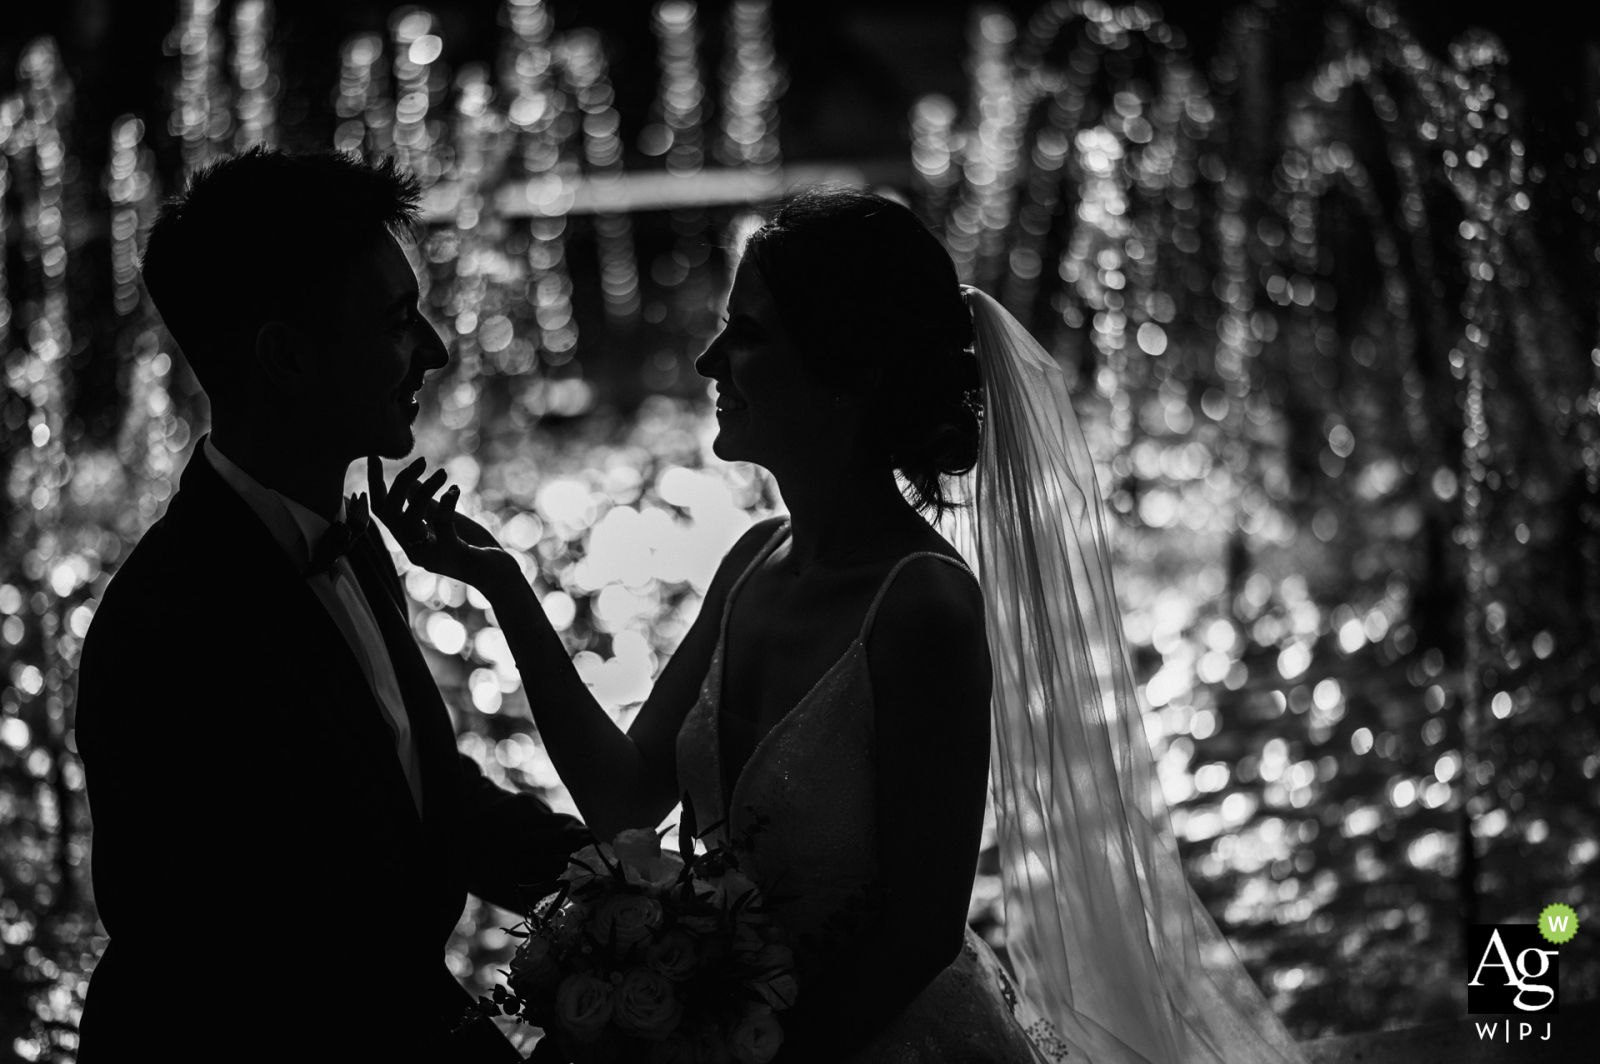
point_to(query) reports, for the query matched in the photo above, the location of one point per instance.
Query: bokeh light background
(1321, 275)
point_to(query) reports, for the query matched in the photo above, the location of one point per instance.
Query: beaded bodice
(811, 777)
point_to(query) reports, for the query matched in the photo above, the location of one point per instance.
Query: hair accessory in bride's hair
(869, 293)
(971, 369)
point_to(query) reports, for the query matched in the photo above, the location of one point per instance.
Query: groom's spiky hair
(266, 235)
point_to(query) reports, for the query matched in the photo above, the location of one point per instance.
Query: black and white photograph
(761, 532)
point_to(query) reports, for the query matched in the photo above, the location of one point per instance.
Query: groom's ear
(281, 355)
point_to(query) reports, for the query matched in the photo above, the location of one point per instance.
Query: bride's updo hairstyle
(874, 301)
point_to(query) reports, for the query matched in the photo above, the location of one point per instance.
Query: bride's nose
(712, 362)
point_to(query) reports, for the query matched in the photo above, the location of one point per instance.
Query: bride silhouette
(850, 685)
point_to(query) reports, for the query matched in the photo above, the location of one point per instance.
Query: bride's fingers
(419, 499)
(377, 491)
(443, 518)
(399, 491)
(404, 479)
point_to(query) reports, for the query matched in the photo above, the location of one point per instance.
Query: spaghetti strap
(755, 563)
(883, 589)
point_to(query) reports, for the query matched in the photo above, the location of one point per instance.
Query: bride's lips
(728, 404)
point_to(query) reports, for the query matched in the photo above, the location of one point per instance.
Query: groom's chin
(394, 441)
(396, 449)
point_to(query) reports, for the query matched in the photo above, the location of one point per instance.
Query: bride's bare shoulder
(928, 655)
(744, 551)
(932, 609)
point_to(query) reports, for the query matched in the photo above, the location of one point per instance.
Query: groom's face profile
(376, 349)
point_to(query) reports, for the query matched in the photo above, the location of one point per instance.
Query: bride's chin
(726, 449)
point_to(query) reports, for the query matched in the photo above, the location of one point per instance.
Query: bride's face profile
(771, 409)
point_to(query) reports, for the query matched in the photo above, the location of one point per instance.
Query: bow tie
(339, 536)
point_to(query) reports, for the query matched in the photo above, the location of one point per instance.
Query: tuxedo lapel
(238, 543)
(295, 803)
(430, 721)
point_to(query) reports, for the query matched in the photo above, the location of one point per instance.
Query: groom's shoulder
(176, 557)
(142, 589)
(159, 554)
(133, 622)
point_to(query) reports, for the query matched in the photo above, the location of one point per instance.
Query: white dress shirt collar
(297, 528)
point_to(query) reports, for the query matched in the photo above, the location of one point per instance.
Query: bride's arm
(618, 779)
(929, 664)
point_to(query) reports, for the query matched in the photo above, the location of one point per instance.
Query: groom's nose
(431, 352)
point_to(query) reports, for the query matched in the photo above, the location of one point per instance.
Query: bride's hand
(430, 531)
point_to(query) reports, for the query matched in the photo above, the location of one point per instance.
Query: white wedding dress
(1117, 961)
(812, 777)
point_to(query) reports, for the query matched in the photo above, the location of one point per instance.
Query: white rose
(627, 919)
(673, 954)
(568, 922)
(535, 967)
(646, 1004)
(640, 845)
(756, 1036)
(657, 875)
(583, 1007)
(589, 868)
(643, 862)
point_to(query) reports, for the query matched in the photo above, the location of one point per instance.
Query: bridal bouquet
(641, 954)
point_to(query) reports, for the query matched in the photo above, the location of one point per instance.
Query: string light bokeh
(1345, 422)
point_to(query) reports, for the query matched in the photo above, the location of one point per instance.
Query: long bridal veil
(1108, 940)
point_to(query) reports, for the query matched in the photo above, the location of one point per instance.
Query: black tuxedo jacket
(268, 887)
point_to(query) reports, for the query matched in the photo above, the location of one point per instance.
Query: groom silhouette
(284, 832)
